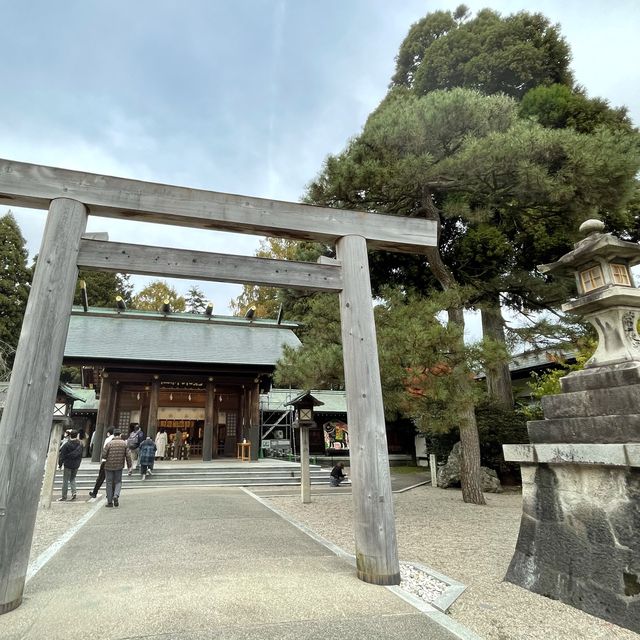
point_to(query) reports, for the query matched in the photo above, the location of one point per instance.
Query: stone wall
(579, 540)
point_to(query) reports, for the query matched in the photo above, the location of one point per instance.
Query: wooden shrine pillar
(113, 406)
(374, 524)
(26, 421)
(254, 412)
(102, 419)
(305, 469)
(207, 436)
(154, 398)
(242, 415)
(216, 405)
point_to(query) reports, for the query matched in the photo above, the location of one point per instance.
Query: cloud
(244, 98)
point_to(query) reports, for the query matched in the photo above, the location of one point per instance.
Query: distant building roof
(540, 358)
(277, 400)
(88, 402)
(104, 334)
(522, 364)
(75, 393)
(71, 392)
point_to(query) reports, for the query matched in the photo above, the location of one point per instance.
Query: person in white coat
(161, 444)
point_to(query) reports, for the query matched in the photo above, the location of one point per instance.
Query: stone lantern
(578, 539)
(607, 296)
(304, 419)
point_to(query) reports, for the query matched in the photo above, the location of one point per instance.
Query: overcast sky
(241, 96)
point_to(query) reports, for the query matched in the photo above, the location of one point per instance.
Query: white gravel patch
(419, 583)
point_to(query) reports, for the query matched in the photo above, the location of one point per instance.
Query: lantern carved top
(596, 245)
(607, 296)
(602, 265)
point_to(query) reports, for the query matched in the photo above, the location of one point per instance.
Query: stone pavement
(190, 564)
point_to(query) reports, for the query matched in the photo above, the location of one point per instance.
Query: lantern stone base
(578, 539)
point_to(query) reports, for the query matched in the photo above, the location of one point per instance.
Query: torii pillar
(26, 421)
(376, 546)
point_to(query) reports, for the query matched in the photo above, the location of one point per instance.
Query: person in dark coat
(337, 475)
(101, 472)
(116, 454)
(70, 457)
(147, 456)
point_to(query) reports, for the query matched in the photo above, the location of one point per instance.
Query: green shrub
(496, 426)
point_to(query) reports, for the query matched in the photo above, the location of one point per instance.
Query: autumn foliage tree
(153, 296)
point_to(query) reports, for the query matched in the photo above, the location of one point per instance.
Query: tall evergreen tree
(521, 55)
(195, 300)
(15, 281)
(491, 53)
(103, 287)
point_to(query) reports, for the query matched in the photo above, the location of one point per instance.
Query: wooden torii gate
(72, 196)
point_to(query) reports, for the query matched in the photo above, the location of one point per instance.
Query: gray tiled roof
(176, 338)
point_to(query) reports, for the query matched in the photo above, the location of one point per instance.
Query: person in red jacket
(70, 457)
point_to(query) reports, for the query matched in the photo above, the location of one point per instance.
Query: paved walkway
(190, 564)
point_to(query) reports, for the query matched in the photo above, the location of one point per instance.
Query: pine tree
(195, 300)
(103, 287)
(15, 281)
(524, 56)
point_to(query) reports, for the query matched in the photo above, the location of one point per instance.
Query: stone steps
(197, 475)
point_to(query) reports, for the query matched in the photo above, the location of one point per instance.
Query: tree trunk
(498, 376)
(469, 439)
(470, 458)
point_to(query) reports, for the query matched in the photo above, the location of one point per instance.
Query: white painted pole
(26, 421)
(52, 461)
(433, 467)
(374, 523)
(305, 475)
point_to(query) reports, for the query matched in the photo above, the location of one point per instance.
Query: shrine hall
(196, 374)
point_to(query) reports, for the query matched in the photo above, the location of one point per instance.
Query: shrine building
(198, 374)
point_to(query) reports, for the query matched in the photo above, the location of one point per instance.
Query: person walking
(101, 474)
(147, 456)
(135, 439)
(70, 457)
(115, 453)
(65, 438)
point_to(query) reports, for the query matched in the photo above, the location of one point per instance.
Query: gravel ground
(52, 523)
(467, 543)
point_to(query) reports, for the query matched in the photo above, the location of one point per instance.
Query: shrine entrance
(72, 196)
